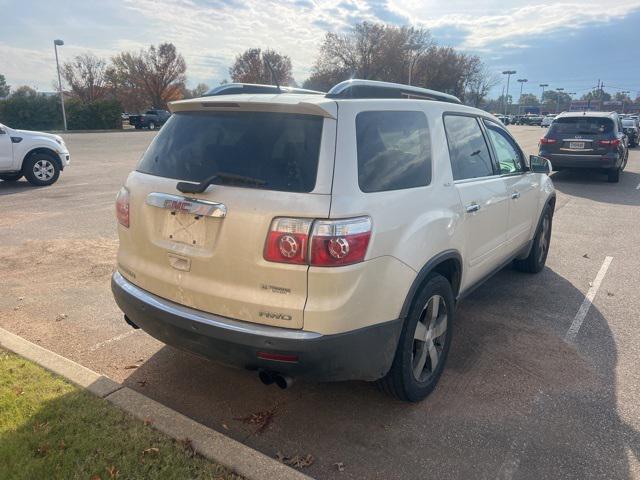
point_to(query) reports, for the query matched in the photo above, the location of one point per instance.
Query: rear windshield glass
(582, 125)
(279, 149)
(628, 123)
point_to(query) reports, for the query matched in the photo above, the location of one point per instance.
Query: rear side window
(582, 126)
(468, 150)
(279, 149)
(394, 150)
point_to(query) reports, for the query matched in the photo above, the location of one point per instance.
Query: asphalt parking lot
(532, 390)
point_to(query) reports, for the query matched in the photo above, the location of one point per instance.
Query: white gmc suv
(325, 236)
(40, 157)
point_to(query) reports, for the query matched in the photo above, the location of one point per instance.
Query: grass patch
(52, 429)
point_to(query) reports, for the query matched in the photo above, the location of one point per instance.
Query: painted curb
(209, 443)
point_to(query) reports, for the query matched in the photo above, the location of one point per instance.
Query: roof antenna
(273, 74)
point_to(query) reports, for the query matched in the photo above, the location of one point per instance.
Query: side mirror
(539, 165)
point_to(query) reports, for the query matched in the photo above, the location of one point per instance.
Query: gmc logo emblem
(178, 205)
(275, 316)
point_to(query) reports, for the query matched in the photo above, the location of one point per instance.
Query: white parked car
(39, 157)
(325, 236)
(547, 120)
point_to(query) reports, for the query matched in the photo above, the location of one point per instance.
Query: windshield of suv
(582, 125)
(280, 149)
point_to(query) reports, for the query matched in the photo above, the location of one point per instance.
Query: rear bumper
(363, 354)
(562, 160)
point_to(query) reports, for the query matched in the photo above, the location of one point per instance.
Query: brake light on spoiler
(320, 243)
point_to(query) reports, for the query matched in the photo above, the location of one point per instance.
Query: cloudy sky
(569, 44)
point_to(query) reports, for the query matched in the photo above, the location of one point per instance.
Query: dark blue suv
(594, 140)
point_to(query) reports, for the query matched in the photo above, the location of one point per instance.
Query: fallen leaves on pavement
(339, 466)
(260, 419)
(149, 450)
(296, 461)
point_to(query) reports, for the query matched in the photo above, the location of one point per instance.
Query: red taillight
(331, 242)
(545, 141)
(339, 242)
(288, 240)
(610, 143)
(122, 207)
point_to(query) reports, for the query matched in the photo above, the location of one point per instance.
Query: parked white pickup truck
(39, 157)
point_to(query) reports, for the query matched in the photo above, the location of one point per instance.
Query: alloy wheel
(44, 170)
(429, 338)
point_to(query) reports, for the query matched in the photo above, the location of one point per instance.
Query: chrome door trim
(181, 204)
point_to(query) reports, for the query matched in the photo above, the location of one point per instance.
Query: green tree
(529, 100)
(4, 88)
(596, 95)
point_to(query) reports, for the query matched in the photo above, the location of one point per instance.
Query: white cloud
(209, 34)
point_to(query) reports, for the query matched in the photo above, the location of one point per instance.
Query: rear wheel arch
(448, 264)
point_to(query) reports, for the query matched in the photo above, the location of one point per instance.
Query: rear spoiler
(228, 105)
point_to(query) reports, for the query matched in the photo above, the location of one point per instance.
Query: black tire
(534, 263)
(613, 175)
(137, 127)
(41, 169)
(401, 380)
(11, 177)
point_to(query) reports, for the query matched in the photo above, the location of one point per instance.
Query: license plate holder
(185, 228)
(576, 145)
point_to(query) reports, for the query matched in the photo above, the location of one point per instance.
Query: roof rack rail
(240, 88)
(357, 88)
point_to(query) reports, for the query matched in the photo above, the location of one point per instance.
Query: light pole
(571, 94)
(543, 85)
(521, 81)
(508, 73)
(56, 44)
(558, 92)
(625, 92)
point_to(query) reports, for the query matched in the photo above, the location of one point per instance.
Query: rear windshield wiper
(188, 187)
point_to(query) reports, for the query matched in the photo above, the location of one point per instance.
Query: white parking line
(588, 300)
(117, 338)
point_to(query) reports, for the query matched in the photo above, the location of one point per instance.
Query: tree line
(133, 81)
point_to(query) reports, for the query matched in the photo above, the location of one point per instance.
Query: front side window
(279, 150)
(394, 150)
(507, 153)
(468, 150)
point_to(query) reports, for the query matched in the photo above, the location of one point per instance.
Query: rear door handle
(472, 207)
(515, 195)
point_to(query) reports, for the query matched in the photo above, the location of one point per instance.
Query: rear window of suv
(582, 125)
(394, 150)
(280, 149)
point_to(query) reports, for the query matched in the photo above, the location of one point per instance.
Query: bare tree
(196, 92)
(250, 67)
(85, 76)
(480, 83)
(157, 75)
(370, 51)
